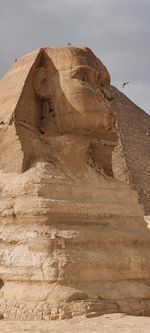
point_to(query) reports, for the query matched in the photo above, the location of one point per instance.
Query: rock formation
(72, 237)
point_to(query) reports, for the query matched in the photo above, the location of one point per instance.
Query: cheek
(80, 96)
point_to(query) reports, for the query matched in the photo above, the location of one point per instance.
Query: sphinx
(73, 238)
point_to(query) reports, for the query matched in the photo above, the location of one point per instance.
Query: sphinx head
(59, 91)
(75, 84)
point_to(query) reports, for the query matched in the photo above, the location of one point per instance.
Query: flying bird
(69, 44)
(16, 60)
(124, 83)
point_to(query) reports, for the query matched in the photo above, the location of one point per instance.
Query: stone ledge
(91, 308)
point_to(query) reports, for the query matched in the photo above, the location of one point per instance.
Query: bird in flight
(124, 83)
(69, 44)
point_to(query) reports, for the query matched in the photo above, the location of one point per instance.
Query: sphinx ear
(41, 83)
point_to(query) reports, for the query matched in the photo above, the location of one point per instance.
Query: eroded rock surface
(72, 238)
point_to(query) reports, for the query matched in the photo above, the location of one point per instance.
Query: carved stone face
(78, 85)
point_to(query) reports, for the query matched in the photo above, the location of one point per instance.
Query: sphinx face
(80, 91)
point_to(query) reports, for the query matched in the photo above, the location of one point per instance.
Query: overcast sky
(118, 31)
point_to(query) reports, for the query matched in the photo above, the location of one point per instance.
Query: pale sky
(118, 31)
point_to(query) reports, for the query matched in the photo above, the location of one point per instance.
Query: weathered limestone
(72, 238)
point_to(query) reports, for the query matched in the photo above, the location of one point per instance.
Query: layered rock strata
(72, 238)
(69, 247)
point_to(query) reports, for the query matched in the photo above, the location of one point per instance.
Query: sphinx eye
(80, 75)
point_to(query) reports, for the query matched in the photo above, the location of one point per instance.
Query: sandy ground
(114, 323)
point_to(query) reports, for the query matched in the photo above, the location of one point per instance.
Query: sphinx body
(73, 239)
